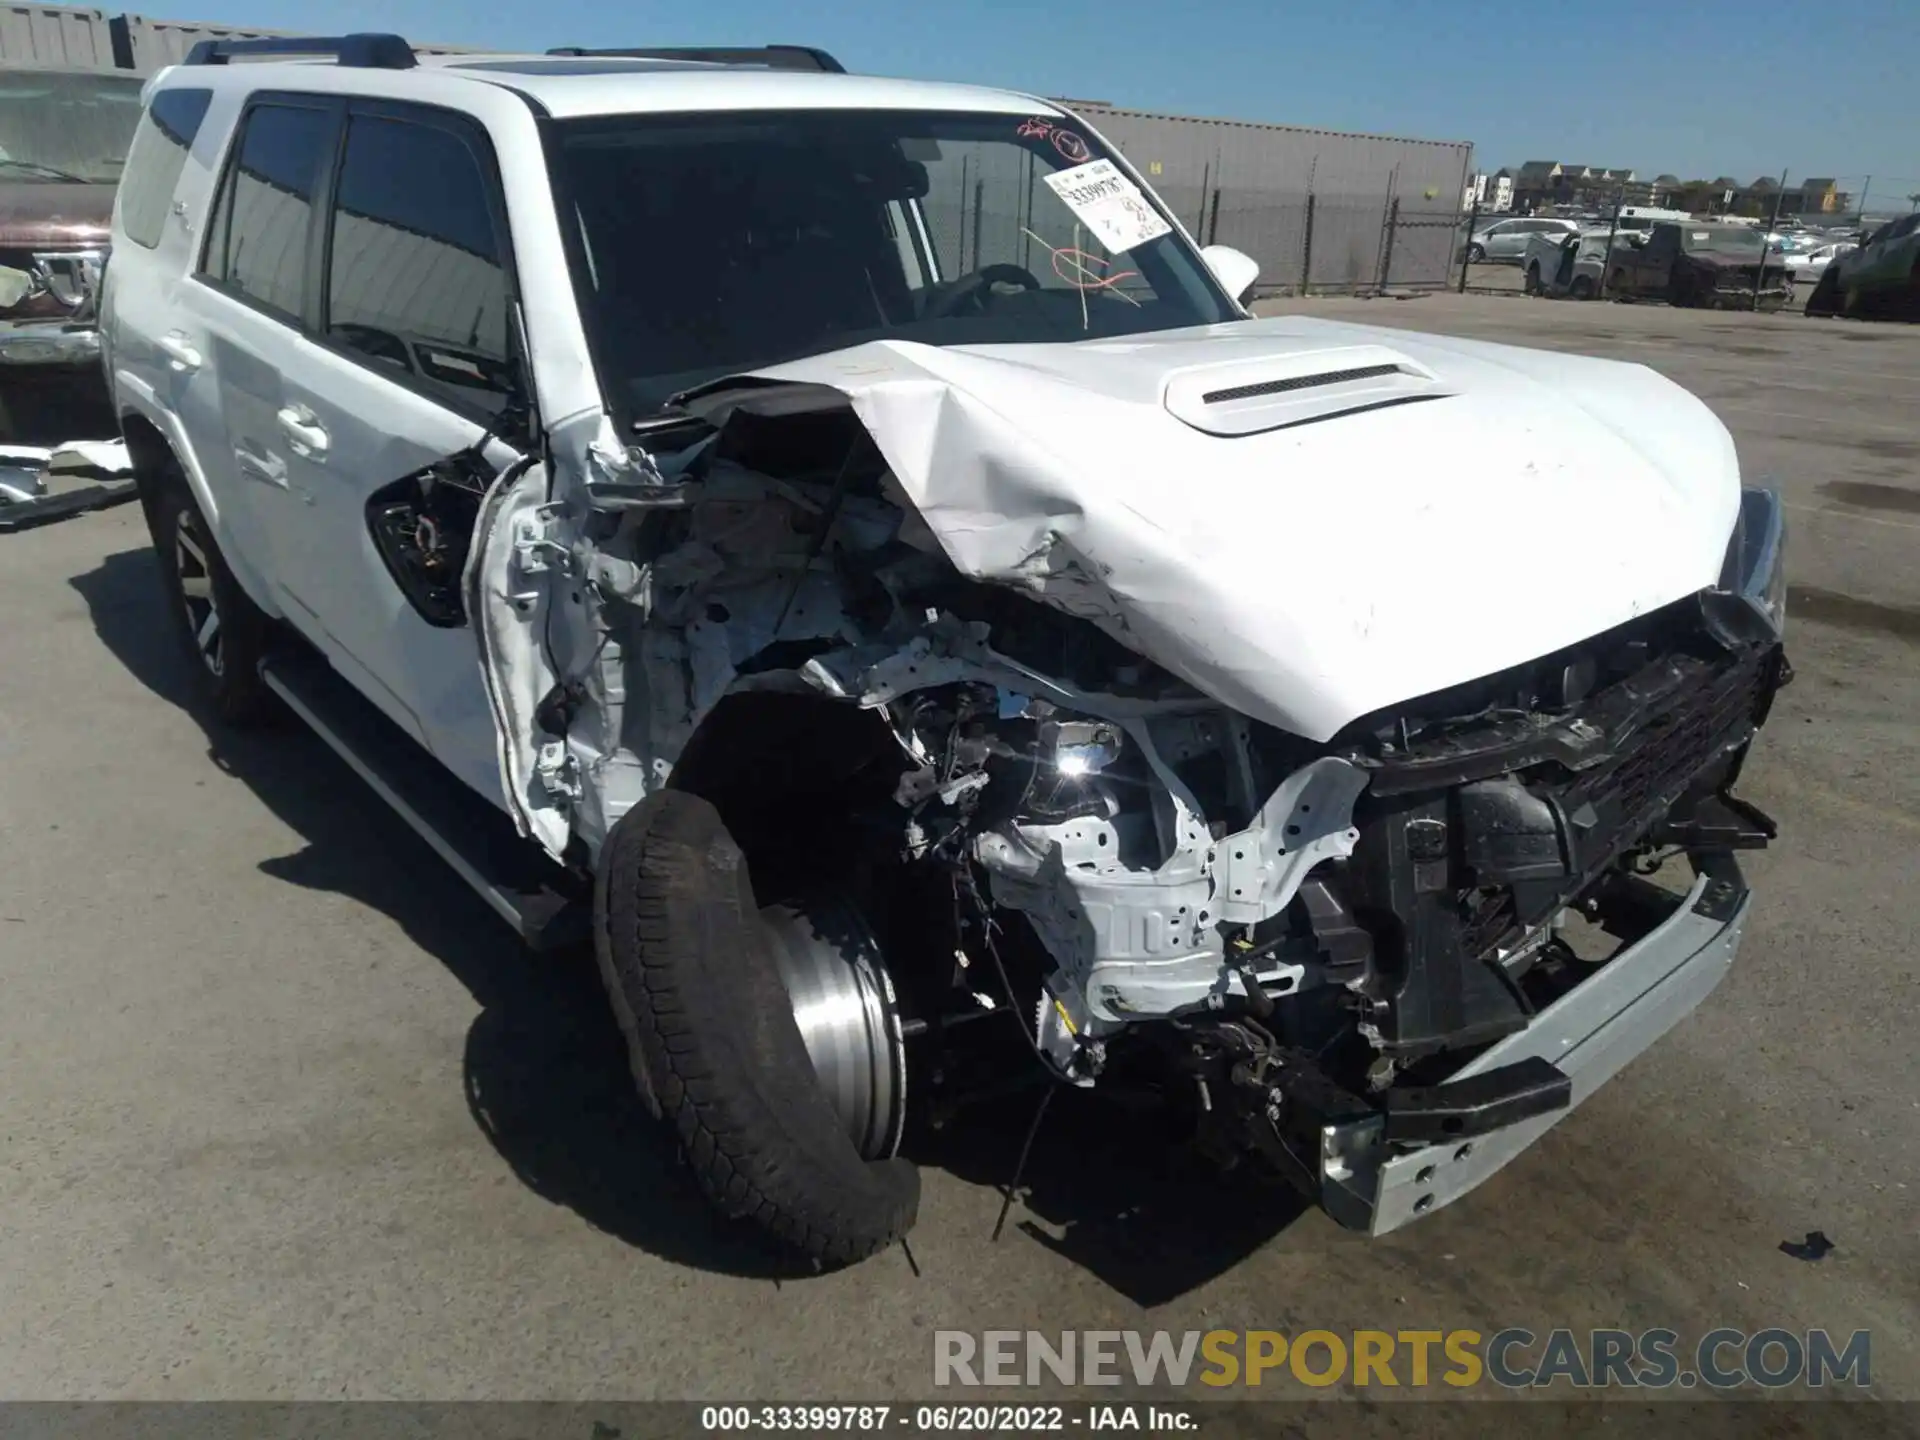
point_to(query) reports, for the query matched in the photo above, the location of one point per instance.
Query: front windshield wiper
(46, 170)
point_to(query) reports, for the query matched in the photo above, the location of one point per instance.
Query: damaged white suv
(840, 541)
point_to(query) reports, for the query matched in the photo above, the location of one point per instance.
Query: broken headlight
(1755, 567)
(1067, 763)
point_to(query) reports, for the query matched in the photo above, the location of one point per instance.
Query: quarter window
(416, 277)
(158, 155)
(257, 245)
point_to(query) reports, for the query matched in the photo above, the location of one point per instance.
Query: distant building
(1489, 192)
(1540, 184)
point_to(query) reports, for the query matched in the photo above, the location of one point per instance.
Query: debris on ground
(1814, 1247)
(38, 485)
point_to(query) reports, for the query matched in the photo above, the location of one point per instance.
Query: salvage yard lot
(285, 1112)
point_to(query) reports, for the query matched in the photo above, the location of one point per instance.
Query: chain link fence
(1310, 244)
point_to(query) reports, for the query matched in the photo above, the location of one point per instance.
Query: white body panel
(1311, 574)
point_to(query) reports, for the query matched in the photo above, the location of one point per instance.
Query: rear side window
(154, 163)
(416, 277)
(257, 244)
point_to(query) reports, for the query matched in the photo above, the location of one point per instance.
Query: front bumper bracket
(1377, 1176)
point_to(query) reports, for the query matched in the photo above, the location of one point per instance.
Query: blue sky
(1696, 87)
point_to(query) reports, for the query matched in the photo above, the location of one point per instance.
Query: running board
(547, 905)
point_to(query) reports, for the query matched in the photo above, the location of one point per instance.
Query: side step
(548, 906)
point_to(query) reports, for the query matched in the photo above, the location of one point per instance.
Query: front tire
(714, 1045)
(1476, 254)
(1532, 283)
(224, 632)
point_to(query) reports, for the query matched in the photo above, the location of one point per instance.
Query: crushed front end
(1377, 963)
(1387, 964)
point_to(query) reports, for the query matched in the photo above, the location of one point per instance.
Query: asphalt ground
(284, 1112)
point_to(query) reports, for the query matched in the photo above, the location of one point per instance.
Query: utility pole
(1766, 246)
(1861, 214)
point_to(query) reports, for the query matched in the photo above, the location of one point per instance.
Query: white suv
(839, 541)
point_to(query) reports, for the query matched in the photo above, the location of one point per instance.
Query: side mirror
(1235, 270)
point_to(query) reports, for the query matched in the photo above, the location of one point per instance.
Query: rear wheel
(768, 1041)
(224, 632)
(1582, 287)
(1532, 283)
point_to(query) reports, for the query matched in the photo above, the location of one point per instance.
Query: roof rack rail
(363, 52)
(774, 57)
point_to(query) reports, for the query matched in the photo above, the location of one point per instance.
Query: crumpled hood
(1488, 505)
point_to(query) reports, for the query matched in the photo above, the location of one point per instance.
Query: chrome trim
(50, 343)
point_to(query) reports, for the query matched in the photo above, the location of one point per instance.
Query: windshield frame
(631, 417)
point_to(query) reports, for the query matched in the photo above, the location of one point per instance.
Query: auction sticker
(1108, 204)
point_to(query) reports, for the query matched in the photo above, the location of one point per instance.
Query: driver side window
(416, 269)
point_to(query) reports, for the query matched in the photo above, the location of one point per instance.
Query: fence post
(1386, 241)
(1466, 250)
(1213, 217)
(1306, 249)
(1606, 261)
(979, 204)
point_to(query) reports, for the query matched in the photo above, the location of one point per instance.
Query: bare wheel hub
(843, 1002)
(190, 551)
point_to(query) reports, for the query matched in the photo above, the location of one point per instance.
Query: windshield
(56, 126)
(711, 244)
(1723, 239)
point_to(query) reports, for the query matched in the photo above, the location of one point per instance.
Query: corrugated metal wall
(55, 35)
(1248, 185)
(148, 44)
(87, 39)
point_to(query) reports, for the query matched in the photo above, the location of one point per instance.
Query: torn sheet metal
(39, 485)
(1499, 505)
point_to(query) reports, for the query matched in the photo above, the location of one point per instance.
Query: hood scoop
(1249, 397)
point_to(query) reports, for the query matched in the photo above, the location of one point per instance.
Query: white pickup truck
(1567, 264)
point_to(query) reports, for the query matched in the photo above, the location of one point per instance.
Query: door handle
(182, 358)
(304, 432)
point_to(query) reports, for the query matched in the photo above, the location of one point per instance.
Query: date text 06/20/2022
(969, 1419)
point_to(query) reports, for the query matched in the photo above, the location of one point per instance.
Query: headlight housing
(1755, 568)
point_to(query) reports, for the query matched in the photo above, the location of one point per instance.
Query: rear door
(410, 362)
(242, 319)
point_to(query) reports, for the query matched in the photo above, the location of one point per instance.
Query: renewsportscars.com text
(1514, 1358)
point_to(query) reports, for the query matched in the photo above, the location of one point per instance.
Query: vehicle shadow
(545, 1068)
(1107, 1187)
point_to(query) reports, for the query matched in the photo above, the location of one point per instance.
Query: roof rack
(364, 52)
(773, 57)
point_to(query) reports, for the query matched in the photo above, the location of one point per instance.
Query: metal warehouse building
(1316, 208)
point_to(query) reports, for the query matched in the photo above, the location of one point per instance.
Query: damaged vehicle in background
(838, 541)
(1879, 279)
(1700, 263)
(63, 140)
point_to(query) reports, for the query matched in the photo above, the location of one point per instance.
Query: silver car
(1506, 240)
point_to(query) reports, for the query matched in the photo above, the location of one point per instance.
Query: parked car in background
(1506, 240)
(1699, 263)
(1878, 281)
(1803, 265)
(63, 140)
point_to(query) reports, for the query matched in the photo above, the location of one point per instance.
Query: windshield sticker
(1108, 204)
(1072, 147)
